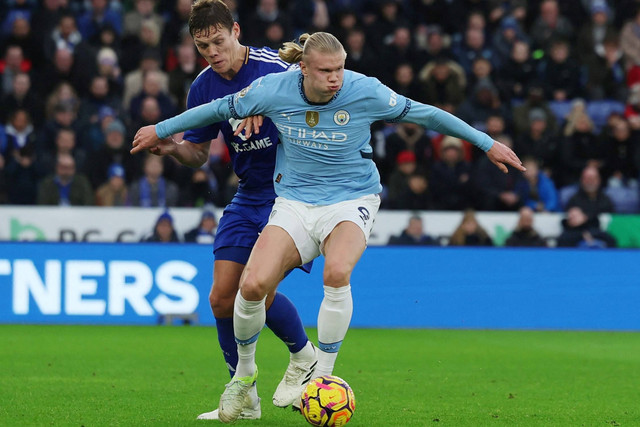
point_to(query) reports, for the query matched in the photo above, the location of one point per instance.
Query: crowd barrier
(393, 287)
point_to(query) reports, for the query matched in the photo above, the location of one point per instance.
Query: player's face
(323, 75)
(221, 49)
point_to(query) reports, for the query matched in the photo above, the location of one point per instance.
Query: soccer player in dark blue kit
(232, 67)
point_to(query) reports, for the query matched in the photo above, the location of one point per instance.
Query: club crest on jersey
(244, 91)
(312, 118)
(341, 117)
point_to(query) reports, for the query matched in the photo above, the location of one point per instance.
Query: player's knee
(221, 305)
(336, 273)
(253, 287)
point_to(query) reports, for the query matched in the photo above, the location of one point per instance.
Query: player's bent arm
(191, 154)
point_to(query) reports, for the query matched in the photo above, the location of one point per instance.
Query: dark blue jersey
(253, 159)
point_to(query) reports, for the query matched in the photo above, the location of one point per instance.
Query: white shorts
(309, 225)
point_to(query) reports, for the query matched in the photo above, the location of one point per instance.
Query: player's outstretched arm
(187, 153)
(501, 155)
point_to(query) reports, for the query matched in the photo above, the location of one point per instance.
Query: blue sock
(283, 320)
(227, 343)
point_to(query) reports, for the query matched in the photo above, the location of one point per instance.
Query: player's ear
(303, 68)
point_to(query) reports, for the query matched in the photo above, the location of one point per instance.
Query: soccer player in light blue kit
(233, 66)
(326, 182)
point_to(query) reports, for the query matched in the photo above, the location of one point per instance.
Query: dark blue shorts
(238, 230)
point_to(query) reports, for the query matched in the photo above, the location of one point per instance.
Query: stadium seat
(565, 194)
(599, 111)
(560, 109)
(625, 199)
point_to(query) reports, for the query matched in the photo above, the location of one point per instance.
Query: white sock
(306, 353)
(333, 322)
(248, 320)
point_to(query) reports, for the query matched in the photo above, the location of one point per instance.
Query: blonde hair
(294, 52)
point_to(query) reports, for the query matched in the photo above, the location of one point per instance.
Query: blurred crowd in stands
(559, 81)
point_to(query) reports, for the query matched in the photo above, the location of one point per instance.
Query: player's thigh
(273, 254)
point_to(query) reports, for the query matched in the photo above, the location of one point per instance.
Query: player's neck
(240, 57)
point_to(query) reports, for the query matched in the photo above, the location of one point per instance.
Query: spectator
(400, 50)
(407, 137)
(630, 39)
(592, 34)
(97, 99)
(539, 142)
(63, 94)
(506, 36)
(550, 25)
(443, 84)
(65, 143)
(109, 68)
(623, 149)
(205, 231)
(590, 197)
(493, 189)
(22, 35)
(560, 72)
(143, 11)
(581, 147)
(582, 232)
(152, 88)
(470, 232)
(114, 192)
(115, 150)
(524, 235)
(98, 16)
(63, 70)
(606, 77)
(184, 74)
(360, 57)
(415, 195)
(632, 109)
(23, 175)
(178, 20)
(517, 72)
(149, 61)
(405, 166)
(483, 102)
(380, 32)
(65, 187)
(64, 117)
(46, 17)
(404, 81)
(163, 230)
(450, 177)
(413, 235)
(535, 99)
(19, 131)
(474, 47)
(64, 36)
(433, 43)
(152, 189)
(201, 189)
(481, 70)
(23, 97)
(148, 39)
(535, 189)
(12, 64)
(266, 12)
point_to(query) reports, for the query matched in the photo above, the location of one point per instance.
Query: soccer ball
(327, 401)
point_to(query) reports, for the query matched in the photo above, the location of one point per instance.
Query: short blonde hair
(293, 52)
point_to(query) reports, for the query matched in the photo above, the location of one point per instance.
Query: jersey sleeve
(253, 100)
(387, 105)
(197, 117)
(203, 134)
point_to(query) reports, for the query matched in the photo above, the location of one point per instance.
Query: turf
(166, 375)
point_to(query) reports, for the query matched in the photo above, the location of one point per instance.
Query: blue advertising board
(489, 288)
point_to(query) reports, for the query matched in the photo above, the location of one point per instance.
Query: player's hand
(250, 125)
(501, 156)
(145, 139)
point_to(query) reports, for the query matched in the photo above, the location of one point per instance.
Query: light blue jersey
(324, 156)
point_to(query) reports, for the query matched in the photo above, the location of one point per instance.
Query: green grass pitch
(167, 375)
